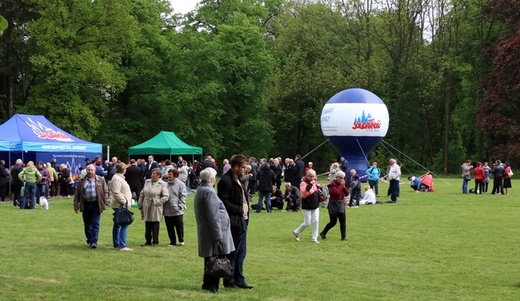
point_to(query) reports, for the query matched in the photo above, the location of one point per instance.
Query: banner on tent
(73, 160)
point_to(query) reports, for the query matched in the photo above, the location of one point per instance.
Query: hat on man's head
(310, 163)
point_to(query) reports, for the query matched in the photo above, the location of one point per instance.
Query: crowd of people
(501, 174)
(222, 215)
(27, 183)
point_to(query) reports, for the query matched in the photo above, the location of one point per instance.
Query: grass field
(428, 246)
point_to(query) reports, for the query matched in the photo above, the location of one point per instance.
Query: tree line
(252, 76)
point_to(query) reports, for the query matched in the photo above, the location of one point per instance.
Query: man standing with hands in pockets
(233, 195)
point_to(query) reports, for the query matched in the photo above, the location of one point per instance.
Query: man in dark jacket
(234, 197)
(292, 197)
(498, 173)
(16, 184)
(4, 180)
(133, 177)
(277, 198)
(277, 169)
(288, 172)
(265, 184)
(298, 171)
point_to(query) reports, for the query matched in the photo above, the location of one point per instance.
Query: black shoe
(231, 285)
(344, 239)
(146, 244)
(245, 286)
(93, 246)
(323, 236)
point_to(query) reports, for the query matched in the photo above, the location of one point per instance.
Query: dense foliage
(252, 75)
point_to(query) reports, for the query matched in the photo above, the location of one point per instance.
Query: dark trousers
(394, 190)
(16, 193)
(151, 233)
(91, 217)
(208, 282)
(175, 224)
(486, 184)
(237, 259)
(64, 189)
(334, 217)
(374, 184)
(54, 189)
(497, 185)
(479, 186)
(355, 195)
(3, 190)
(136, 190)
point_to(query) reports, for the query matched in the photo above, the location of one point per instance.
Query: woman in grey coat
(213, 224)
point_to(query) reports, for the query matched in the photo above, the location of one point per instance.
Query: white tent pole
(108, 152)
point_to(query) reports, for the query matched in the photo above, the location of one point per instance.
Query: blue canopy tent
(33, 137)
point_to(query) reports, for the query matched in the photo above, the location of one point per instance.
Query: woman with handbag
(213, 227)
(466, 177)
(336, 206)
(121, 196)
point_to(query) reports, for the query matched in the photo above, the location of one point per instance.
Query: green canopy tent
(165, 143)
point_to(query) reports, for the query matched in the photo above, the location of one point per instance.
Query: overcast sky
(183, 6)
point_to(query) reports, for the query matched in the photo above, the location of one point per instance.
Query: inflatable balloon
(355, 121)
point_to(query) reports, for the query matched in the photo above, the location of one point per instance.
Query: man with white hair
(4, 180)
(53, 180)
(16, 184)
(394, 176)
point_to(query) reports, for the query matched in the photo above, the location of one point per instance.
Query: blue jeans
(465, 186)
(42, 191)
(355, 197)
(30, 191)
(119, 234)
(91, 217)
(240, 257)
(267, 195)
(237, 259)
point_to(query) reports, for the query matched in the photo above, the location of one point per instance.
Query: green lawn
(428, 246)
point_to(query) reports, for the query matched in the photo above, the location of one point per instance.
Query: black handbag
(218, 265)
(123, 216)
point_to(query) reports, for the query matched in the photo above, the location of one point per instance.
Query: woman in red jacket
(336, 206)
(479, 175)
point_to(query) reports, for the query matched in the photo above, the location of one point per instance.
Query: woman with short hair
(336, 206)
(121, 198)
(309, 188)
(213, 225)
(151, 200)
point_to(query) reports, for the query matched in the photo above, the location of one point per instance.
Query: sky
(183, 6)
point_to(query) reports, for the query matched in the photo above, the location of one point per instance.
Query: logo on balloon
(366, 123)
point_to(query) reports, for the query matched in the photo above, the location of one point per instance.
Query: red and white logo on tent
(44, 132)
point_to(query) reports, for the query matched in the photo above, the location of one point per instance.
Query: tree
(498, 111)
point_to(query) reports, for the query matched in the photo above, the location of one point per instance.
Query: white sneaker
(296, 236)
(315, 241)
(181, 243)
(126, 249)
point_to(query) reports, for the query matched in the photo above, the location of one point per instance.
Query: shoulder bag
(123, 216)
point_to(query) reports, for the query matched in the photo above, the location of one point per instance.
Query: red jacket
(478, 172)
(337, 192)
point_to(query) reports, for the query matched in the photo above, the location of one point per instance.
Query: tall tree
(498, 111)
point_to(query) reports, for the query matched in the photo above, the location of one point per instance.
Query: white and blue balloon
(355, 121)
